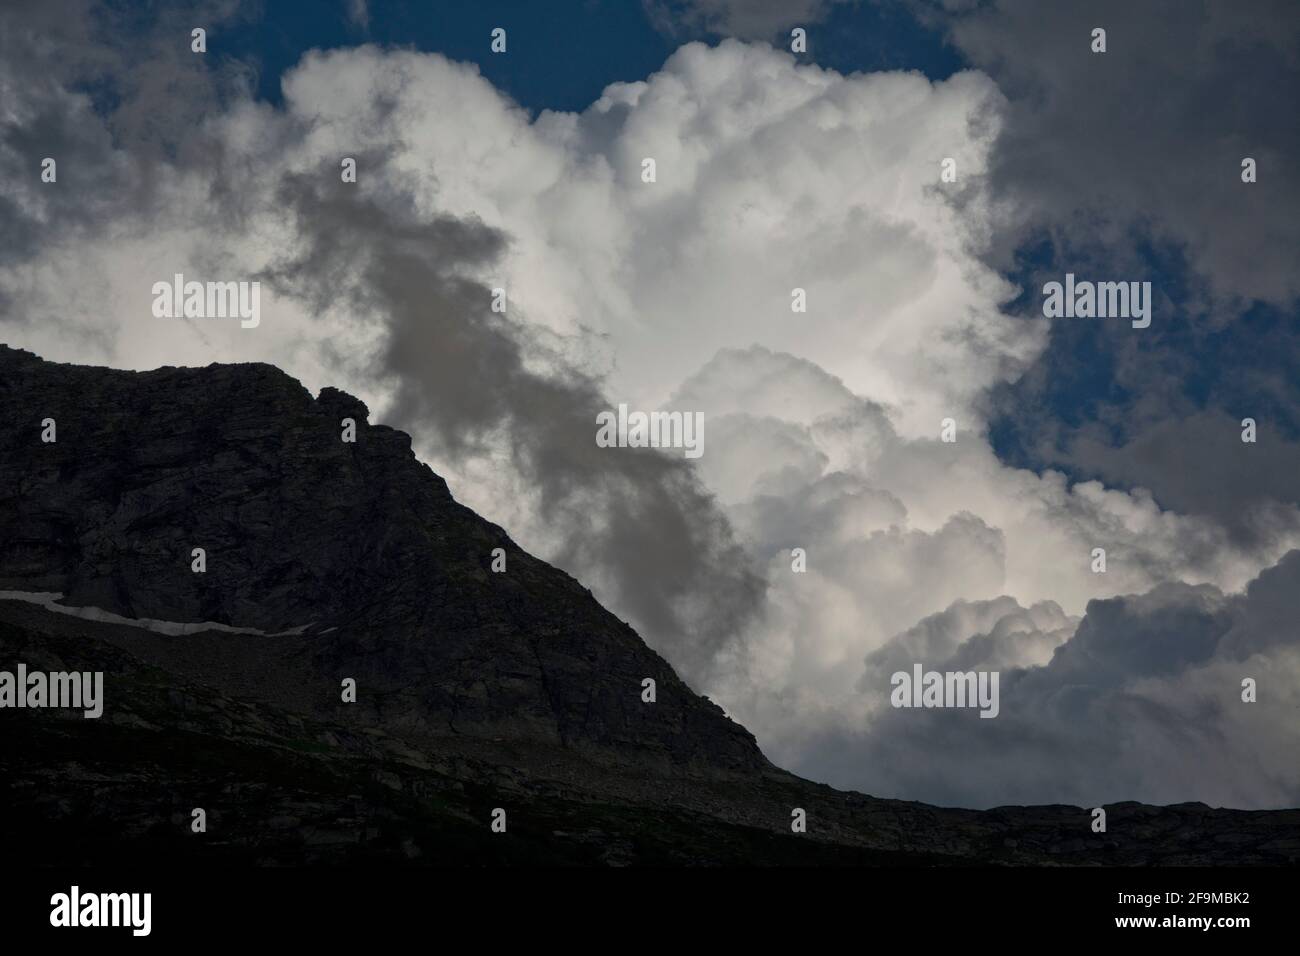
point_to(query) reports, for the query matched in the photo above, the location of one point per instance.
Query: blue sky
(561, 55)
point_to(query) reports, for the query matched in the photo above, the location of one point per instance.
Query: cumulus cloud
(1168, 104)
(995, 562)
(1144, 701)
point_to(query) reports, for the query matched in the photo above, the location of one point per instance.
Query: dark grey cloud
(1143, 702)
(110, 95)
(1163, 411)
(1143, 143)
(1127, 165)
(1198, 464)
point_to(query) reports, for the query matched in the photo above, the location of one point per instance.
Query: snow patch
(49, 599)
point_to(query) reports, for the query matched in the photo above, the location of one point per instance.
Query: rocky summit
(207, 539)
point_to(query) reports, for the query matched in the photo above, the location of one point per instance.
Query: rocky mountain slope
(476, 690)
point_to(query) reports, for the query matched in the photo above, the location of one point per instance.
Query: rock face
(475, 689)
(357, 542)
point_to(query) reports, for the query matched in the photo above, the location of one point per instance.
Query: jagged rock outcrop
(357, 542)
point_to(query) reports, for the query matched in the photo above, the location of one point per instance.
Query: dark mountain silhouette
(476, 690)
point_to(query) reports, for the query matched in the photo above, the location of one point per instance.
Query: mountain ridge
(475, 689)
(300, 527)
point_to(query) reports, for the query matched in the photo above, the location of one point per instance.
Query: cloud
(1145, 141)
(996, 563)
(1246, 487)
(770, 179)
(78, 82)
(359, 13)
(1127, 165)
(1143, 702)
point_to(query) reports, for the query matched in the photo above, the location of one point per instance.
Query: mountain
(326, 560)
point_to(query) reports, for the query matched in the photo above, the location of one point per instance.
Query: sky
(775, 170)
